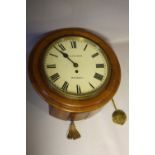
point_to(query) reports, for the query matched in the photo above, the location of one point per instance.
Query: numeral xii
(73, 44)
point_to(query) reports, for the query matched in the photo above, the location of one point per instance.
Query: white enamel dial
(76, 67)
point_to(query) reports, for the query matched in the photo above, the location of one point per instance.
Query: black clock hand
(74, 64)
(65, 55)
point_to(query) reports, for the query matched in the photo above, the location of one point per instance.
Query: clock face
(76, 67)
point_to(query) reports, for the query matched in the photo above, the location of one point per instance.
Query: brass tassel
(73, 132)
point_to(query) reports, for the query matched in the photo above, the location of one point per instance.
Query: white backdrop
(47, 135)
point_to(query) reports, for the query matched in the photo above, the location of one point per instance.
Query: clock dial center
(76, 71)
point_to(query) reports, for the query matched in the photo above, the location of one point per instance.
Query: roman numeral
(51, 66)
(57, 49)
(91, 85)
(99, 65)
(62, 47)
(53, 55)
(65, 86)
(55, 77)
(94, 55)
(73, 44)
(85, 47)
(78, 89)
(98, 76)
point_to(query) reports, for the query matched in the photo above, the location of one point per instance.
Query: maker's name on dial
(75, 55)
(77, 77)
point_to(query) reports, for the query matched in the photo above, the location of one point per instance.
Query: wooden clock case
(63, 107)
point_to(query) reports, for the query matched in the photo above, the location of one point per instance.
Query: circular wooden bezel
(52, 97)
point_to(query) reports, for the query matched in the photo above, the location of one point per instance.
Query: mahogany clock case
(63, 107)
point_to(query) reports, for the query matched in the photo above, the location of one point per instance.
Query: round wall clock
(76, 73)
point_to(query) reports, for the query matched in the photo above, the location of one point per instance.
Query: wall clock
(76, 72)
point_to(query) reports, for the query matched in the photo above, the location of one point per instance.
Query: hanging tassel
(73, 132)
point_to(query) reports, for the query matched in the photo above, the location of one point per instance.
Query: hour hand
(65, 55)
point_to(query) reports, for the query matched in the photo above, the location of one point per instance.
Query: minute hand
(65, 55)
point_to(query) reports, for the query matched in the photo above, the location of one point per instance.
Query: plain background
(47, 135)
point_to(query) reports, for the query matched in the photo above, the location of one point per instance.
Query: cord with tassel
(73, 132)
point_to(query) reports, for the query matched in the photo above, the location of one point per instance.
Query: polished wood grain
(60, 106)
